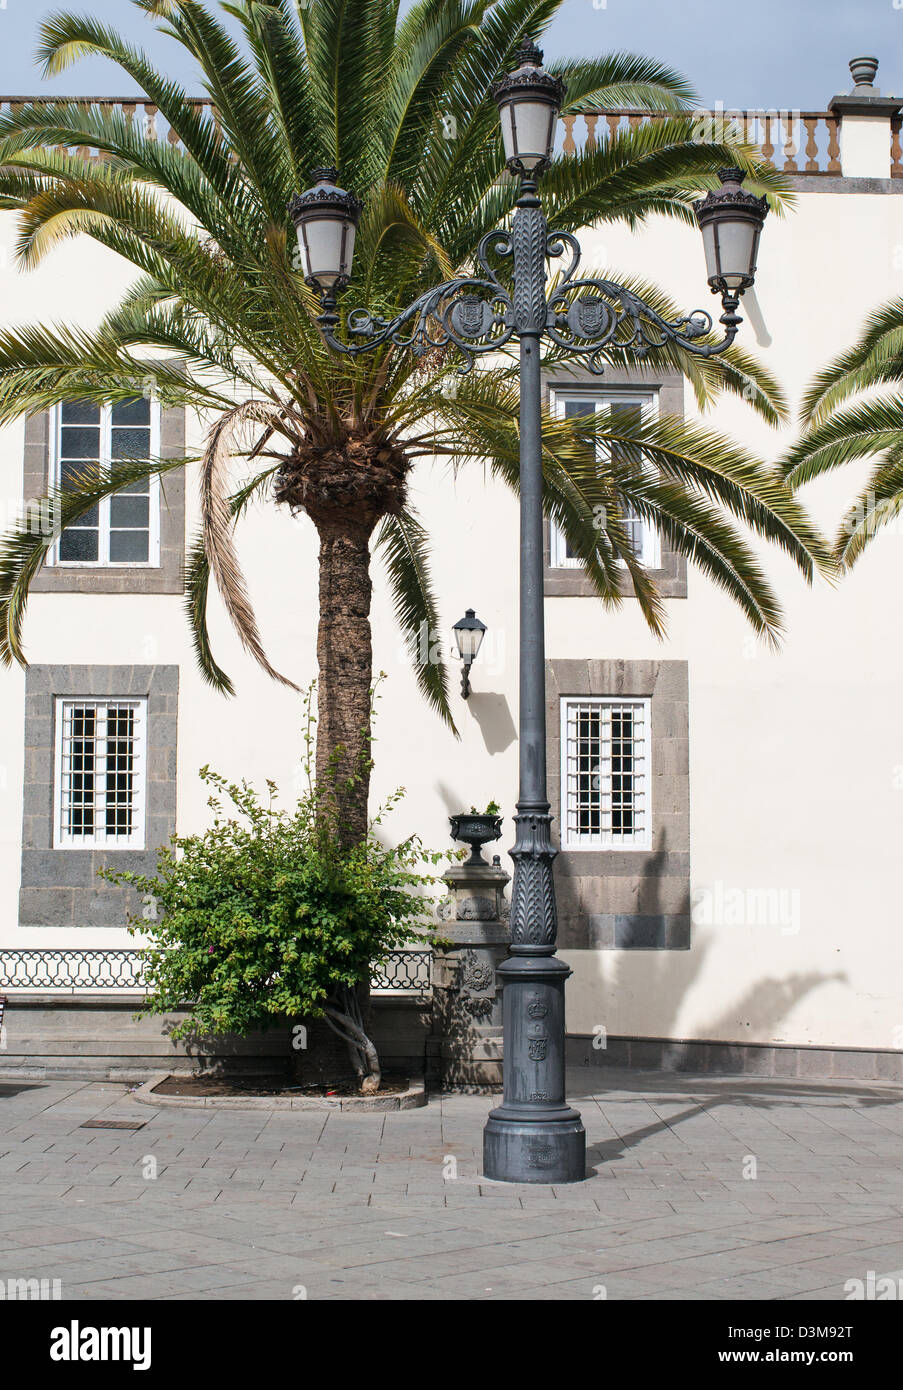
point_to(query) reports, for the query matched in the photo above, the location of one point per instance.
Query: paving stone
(255, 1205)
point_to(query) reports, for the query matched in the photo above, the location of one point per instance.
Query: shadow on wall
(768, 1001)
(756, 318)
(493, 717)
(671, 974)
(450, 800)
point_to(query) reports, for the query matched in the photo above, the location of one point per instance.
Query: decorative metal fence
(108, 970)
(409, 971)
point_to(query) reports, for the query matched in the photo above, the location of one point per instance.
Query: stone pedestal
(466, 1046)
(865, 116)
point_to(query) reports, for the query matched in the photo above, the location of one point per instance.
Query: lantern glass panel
(734, 248)
(528, 131)
(469, 641)
(322, 241)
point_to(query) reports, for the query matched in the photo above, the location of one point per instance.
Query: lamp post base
(534, 1135)
(517, 1149)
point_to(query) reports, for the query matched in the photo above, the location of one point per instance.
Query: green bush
(266, 915)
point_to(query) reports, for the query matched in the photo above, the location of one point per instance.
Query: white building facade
(729, 817)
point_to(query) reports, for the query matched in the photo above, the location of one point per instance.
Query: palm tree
(218, 290)
(840, 429)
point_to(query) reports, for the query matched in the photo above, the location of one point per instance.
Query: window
(605, 774)
(625, 405)
(124, 530)
(99, 775)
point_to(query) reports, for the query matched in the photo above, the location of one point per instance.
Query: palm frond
(282, 69)
(661, 159)
(41, 367)
(604, 467)
(417, 107)
(878, 506)
(346, 54)
(26, 546)
(875, 359)
(241, 100)
(65, 38)
(735, 371)
(403, 543)
(219, 523)
(622, 79)
(196, 578)
(861, 430)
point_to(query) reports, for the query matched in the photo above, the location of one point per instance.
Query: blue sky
(771, 53)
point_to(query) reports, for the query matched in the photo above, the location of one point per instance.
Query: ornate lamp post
(534, 1135)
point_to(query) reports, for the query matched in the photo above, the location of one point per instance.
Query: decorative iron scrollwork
(477, 314)
(472, 315)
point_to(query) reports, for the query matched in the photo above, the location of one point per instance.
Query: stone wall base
(739, 1059)
(48, 1037)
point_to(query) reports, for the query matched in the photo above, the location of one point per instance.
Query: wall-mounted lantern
(468, 638)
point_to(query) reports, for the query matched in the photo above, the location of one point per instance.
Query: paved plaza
(700, 1188)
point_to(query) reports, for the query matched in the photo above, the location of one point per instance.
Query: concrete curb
(411, 1099)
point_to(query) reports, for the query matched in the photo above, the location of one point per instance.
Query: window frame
(103, 561)
(636, 841)
(66, 840)
(651, 554)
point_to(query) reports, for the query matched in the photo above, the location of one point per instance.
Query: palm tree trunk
(345, 658)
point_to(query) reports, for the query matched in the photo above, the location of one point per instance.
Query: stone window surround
(671, 576)
(628, 899)
(60, 887)
(165, 578)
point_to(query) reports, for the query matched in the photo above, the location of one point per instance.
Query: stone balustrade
(146, 114)
(796, 142)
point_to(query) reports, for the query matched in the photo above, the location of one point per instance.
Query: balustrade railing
(796, 142)
(135, 110)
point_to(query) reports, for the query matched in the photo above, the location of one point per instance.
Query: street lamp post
(534, 1135)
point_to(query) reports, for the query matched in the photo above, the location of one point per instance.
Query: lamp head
(326, 219)
(529, 100)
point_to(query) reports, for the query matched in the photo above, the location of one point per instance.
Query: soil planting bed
(270, 1086)
(277, 1093)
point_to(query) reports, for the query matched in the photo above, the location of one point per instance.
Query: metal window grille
(100, 773)
(605, 774)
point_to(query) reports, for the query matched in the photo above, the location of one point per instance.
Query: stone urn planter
(476, 830)
(864, 71)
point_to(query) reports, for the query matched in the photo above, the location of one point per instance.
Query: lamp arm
(587, 315)
(475, 314)
(472, 313)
